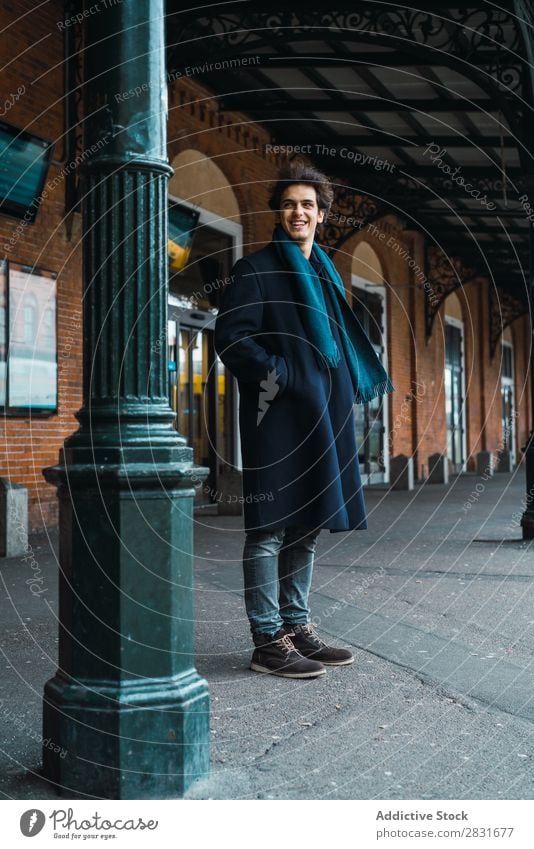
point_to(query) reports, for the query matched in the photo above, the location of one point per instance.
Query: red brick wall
(416, 409)
(32, 55)
(429, 403)
(237, 146)
(522, 339)
(417, 419)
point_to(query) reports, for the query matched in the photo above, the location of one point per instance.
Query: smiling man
(302, 359)
(300, 215)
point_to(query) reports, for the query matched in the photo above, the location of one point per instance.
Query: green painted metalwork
(126, 704)
(525, 18)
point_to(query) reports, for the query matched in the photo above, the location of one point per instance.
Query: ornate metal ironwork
(444, 274)
(372, 194)
(503, 310)
(412, 192)
(349, 214)
(483, 38)
(483, 42)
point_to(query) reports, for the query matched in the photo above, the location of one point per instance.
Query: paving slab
(436, 599)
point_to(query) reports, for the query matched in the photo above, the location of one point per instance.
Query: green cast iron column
(527, 519)
(524, 20)
(126, 709)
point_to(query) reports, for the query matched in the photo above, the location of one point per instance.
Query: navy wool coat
(296, 420)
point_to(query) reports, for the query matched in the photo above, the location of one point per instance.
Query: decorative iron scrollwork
(444, 274)
(350, 213)
(484, 37)
(503, 310)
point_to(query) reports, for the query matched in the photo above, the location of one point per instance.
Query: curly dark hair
(296, 171)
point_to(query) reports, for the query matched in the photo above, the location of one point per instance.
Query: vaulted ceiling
(424, 112)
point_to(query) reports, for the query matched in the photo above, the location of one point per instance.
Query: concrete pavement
(436, 599)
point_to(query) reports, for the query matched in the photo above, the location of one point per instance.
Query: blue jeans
(277, 568)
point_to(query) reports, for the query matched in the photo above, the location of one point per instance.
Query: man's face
(299, 213)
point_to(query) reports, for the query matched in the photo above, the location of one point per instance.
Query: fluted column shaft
(124, 203)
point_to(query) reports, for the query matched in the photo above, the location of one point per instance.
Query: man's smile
(300, 215)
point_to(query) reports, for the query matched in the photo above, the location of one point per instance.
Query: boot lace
(284, 644)
(313, 636)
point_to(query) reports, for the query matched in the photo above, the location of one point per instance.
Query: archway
(202, 394)
(454, 372)
(200, 182)
(509, 415)
(369, 304)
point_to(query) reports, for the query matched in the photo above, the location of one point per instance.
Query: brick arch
(375, 237)
(366, 263)
(454, 306)
(238, 173)
(200, 181)
(509, 333)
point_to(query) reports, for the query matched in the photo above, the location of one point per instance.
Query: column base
(145, 741)
(527, 523)
(126, 715)
(527, 519)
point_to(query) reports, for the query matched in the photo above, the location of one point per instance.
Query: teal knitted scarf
(369, 376)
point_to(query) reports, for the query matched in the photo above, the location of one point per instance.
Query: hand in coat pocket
(272, 387)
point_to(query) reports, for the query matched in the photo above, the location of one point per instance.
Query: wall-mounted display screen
(182, 227)
(24, 162)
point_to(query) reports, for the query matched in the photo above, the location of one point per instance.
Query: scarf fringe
(366, 395)
(330, 360)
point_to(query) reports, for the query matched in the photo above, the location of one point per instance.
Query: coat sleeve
(239, 332)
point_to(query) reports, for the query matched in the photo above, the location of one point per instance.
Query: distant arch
(199, 181)
(366, 264)
(453, 306)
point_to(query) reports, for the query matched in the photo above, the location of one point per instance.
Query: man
(302, 360)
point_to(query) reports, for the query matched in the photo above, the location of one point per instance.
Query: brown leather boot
(309, 644)
(278, 656)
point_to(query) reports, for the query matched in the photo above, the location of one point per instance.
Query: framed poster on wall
(3, 332)
(31, 379)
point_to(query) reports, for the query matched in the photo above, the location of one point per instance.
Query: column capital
(125, 89)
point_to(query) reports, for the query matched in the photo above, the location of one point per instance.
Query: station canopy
(424, 112)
